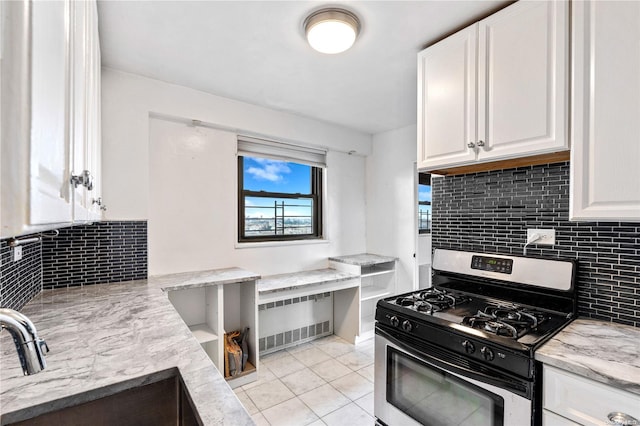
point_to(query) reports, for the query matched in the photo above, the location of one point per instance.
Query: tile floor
(324, 382)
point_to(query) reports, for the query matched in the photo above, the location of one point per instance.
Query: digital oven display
(492, 264)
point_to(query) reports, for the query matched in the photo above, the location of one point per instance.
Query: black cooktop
(514, 325)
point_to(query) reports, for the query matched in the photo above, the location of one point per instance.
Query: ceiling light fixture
(331, 30)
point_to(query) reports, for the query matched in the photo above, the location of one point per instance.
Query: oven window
(434, 397)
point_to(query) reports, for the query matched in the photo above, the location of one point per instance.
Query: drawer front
(585, 401)
(552, 419)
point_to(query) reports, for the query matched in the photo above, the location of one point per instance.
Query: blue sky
(276, 176)
(424, 193)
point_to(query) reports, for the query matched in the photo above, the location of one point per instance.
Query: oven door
(416, 385)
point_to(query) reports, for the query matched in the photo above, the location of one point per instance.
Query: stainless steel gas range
(462, 351)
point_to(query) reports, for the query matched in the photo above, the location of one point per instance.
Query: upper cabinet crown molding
(496, 90)
(605, 156)
(50, 114)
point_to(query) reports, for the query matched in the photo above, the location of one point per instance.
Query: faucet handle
(44, 348)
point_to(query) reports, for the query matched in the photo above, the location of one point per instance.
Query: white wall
(127, 101)
(391, 200)
(183, 178)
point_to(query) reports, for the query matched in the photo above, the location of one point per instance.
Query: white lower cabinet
(569, 399)
(214, 310)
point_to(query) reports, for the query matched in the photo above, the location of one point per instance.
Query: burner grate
(508, 321)
(431, 300)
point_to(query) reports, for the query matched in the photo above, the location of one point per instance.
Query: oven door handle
(517, 386)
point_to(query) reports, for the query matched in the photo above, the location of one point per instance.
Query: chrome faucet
(31, 348)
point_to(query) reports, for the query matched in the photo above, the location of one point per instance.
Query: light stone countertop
(100, 336)
(284, 282)
(363, 259)
(602, 351)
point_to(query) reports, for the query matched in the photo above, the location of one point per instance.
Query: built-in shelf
(203, 333)
(248, 369)
(378, 272)
(211, 309)
(373, 292)
(378, 269)
(377, 280)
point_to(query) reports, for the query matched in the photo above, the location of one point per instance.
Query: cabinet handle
(471, 145)
(622, 419)
(480, 143)
(85, 179)
(98, 201)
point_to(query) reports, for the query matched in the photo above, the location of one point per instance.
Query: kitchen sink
(164, 401)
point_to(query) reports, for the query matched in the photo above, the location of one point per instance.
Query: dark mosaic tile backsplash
(102, 252)
(21, 280)
(491, 211)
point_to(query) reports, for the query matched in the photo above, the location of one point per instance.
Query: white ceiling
(255, 51)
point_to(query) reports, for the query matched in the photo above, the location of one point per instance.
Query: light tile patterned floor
(324, 382)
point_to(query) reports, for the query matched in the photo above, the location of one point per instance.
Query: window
(424, 203)
(279, 192)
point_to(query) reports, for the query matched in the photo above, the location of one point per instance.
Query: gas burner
(501, 329)
(509, 321)
(515, 315)
(491, 325)
(405, 301)
(431, 300)
(424, 306)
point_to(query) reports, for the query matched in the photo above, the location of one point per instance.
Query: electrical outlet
(17, 253)
(548, 236)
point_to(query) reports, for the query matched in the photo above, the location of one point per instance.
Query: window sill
(280, 243)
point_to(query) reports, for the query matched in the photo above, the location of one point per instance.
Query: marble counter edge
(585, 348)
(185, 280)
(363, 259)
(285, 282)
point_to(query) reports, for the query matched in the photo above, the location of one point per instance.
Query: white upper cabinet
(605, 156)
(85, 110)
(496, 90)
(49, 193)
(50, 114)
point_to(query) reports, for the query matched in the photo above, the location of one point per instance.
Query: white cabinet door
(447, 101)
(50, 193)
(605, 156)
(522, 75)
(85, 108)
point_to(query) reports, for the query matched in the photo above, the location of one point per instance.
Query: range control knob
(406, 326)
(487, 353)
(394, 321)
(468, 347)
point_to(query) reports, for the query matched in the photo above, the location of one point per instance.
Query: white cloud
(271, 170)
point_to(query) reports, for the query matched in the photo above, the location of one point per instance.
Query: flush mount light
(331, 30)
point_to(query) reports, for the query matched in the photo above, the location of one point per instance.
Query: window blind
(252, 147)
